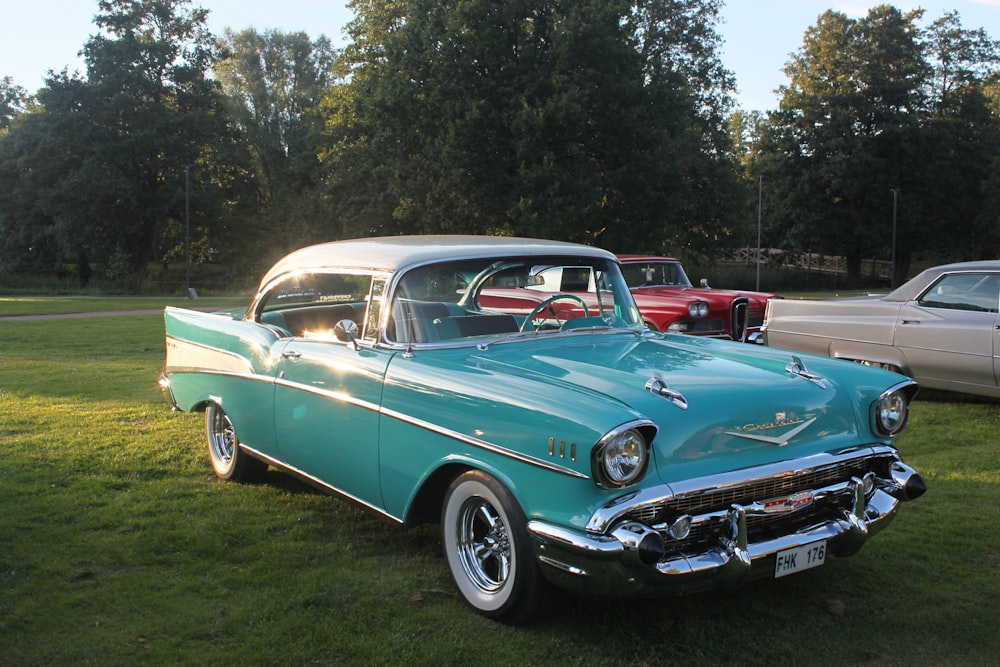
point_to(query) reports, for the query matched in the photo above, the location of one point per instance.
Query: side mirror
(346, 331)
(704, 283)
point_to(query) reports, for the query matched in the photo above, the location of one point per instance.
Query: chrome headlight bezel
(621, 458)
(890, 411)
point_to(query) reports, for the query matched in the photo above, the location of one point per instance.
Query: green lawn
(119, 547)
(11, 306)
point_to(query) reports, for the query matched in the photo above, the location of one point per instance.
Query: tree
(104, 157)
(274, 82)
(530, 117)
(962, 131)
(12, 101)
(879, 109)
(839, 141)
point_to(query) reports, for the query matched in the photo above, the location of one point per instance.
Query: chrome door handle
(910, 322)
(291, 354)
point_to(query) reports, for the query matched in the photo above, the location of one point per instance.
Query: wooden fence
(805, 261)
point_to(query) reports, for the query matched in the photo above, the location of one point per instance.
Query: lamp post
(187, 229)
(760, 188)
(892, 269)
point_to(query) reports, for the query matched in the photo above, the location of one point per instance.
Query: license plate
(801, 558)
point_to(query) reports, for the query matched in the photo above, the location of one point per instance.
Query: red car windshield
(655, 274)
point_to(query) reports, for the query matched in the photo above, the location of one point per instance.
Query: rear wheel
(228, 460)
(486, 543)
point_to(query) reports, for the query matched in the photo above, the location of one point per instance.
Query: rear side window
(313, 289)
(311, 304)
(978, 292)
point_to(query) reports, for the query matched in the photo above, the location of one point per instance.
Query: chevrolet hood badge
(781, 420)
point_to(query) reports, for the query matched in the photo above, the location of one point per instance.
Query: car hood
(743, 407)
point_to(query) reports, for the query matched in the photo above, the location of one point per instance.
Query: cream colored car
(941, 328)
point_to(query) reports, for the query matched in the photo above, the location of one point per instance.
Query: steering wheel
(555, 297)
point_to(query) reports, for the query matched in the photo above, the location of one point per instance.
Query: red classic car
(669, 302)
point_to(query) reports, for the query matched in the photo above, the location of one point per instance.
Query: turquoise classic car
(556, 441)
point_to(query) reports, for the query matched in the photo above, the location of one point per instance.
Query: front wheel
(485, 538)
(228, 460)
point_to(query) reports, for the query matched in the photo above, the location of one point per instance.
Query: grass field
(61, 305)
(119, 547)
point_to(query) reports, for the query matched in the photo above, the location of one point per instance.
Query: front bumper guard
(619, 563)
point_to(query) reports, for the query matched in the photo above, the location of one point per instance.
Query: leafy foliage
(609, 123)
(98, 169)
(273, 82)
(529, 117)
(12, 101)
(879, 110)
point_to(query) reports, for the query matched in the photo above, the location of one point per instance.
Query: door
(948, 335)
(326, 413)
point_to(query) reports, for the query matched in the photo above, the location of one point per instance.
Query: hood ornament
(656, 385)
(796, 367)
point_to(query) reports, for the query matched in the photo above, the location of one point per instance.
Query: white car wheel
(486, 544)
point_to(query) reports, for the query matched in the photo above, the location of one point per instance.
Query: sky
(41, 35)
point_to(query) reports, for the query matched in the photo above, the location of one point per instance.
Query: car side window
(559, 279)
(978, 292)
(311, 304)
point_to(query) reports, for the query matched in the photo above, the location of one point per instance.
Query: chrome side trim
(367, 405)
(183, 354)
(320, 483)
(339, 396)
(434, 428)
(483, 444)
(253, 377)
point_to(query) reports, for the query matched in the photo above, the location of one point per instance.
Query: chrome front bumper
(635, 559)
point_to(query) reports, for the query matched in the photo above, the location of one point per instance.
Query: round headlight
(621, 458)
(698, 309)
(891, 411)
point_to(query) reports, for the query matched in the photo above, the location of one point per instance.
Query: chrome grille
(738, 318)
(711, 500)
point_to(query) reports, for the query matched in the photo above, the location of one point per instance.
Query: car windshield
(497, 297)
(654, 274)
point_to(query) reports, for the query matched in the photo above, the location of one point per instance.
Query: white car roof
(392, 253)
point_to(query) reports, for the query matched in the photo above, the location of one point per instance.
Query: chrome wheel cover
(484, 547)
(222, 437)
